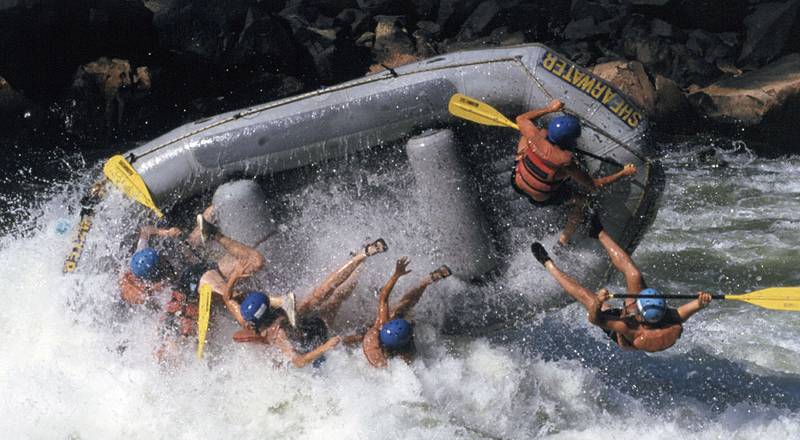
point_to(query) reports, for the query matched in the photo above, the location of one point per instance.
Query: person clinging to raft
(309, 341)
(645, 323)
(391, 334)
(544, 162)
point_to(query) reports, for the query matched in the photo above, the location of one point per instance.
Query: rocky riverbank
(120, 70)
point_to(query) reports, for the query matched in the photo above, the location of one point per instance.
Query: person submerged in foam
(645, 323)
(391, 334)
(178, 271)
(543, 163)
(309, 341)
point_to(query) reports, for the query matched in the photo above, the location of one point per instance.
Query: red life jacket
(536, 171)
(181, 315)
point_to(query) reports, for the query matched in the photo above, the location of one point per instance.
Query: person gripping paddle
(644, 323)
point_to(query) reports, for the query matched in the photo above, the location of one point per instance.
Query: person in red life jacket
(391, 334)
(543, 163)
(309, 341)
(645, 323)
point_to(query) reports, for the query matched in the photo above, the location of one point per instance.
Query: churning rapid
(76, 364)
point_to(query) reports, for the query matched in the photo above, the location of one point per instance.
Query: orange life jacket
(134, 290)
(536, 171)
(180, 315)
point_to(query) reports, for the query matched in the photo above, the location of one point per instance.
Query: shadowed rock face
(753, 97)
(210, 56)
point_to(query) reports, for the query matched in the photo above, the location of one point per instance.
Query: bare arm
(583, 178)
(383, 301)
(301, 360)
(525, 120)
(687, 310)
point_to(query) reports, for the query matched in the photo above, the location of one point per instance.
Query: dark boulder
(768, 29)
(477, 23)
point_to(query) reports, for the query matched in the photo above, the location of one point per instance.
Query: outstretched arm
(400, 269)
(583, 178)
(525, 120)
(687, 310)
(301, 360)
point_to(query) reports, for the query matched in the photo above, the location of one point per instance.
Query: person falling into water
(391, 334)
(645, 323)
(543, 163)
(150, 272)
(315, 314)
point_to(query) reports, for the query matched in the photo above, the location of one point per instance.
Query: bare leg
(575, 217)
(622, 261)
(413, 295)
(571, 286)
(329, 308)
(249, 259)
(335, 279)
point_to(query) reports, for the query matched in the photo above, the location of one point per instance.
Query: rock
(391, 38)
(13, 105)
(670, 102)
(263, 40)
(430, 28)
(111, 84)
(631, 79)
(582, 29)
(770, 92)
(476, 24)
(356, 19)
(711, 15)
(649, 2)
(395, 60)
(661, 28)
(425, 9)
(767, 31)
(452, 13)
(385, 7)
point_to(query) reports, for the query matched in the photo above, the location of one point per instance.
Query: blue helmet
(255, 308)
(562, 130)
(651, 309)
(396, 333)
(144, 264)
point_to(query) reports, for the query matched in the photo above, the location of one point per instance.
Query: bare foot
(376, 247)
(441, 273)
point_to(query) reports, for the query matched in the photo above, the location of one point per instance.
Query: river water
(75, 364)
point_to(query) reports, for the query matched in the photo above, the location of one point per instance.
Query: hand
(603, 295)
(629, 169)
(173, 232)
(555, 105)
(401, 267)
(704, 299)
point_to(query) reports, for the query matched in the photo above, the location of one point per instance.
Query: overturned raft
(393, 105)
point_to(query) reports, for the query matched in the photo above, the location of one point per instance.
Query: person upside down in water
(645, 323)
(391, 334)
(309, 341)
(543, 163)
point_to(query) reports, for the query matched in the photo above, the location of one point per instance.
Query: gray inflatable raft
(394, 105)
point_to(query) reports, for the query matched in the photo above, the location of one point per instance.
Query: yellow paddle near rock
(203, 314)
(773, 298)
(122, 174)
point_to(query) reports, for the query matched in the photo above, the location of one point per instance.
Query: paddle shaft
(627, 295)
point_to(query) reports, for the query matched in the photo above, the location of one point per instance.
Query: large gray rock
(671, 102)
(771, 92)
(768, 28)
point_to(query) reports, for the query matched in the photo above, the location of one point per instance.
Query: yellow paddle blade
(122, 174)
(464, 107)
(774, 298)
(204, 312)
